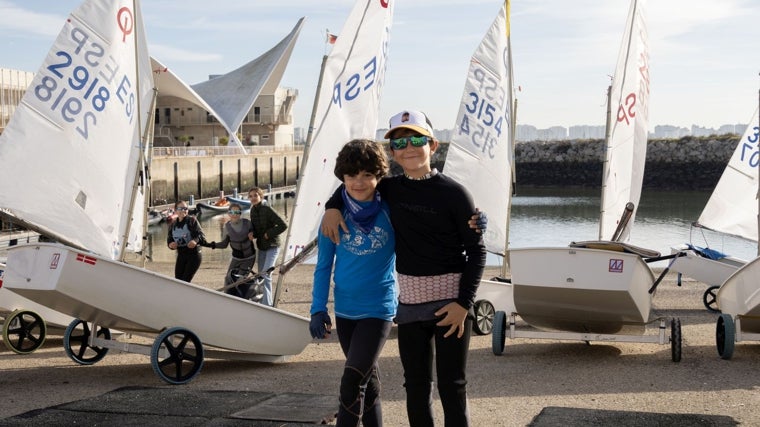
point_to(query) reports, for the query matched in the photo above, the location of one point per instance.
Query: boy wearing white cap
(439, 261)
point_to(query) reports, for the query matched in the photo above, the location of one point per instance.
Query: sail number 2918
(81, 81)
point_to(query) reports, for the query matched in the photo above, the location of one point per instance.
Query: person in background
(267, 227)
(185, 234)
(439, 260)
(364, 290)
(237, 233)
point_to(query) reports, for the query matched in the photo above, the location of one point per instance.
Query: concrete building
(269, 123)
(13, 84)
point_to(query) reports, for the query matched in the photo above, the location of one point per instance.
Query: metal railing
(210, 151)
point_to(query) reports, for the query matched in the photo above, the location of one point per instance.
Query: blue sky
(703, 70)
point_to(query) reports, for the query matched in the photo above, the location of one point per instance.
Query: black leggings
(418, 343)
(188, 262)
(362, 341)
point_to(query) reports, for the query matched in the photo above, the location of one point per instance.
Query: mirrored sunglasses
(416, 141)
(181, 209)
(235, 212)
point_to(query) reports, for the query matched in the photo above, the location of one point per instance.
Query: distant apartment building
(269, 123)
(586, 132)
(13, 84)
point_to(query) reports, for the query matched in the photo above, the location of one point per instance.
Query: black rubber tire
(675, 339)
(85, 354)
(24, 331)
(725, 336)
(185, 355)
(710, 299)
(484, 314)
(499, 335)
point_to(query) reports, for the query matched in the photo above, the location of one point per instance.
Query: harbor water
(554, 217)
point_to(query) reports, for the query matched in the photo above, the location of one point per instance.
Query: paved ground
(535, 382)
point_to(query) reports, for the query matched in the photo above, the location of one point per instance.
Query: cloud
(168, 54)
(17, 19)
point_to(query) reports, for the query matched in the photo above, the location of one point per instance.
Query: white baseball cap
(410, 119)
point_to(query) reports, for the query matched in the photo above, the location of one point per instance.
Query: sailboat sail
(346, 108)
(70, 152)
(732, 207)
(627, 131)
(481, 148)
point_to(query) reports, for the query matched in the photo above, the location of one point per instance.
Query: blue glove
(320, 325)
(482, 221)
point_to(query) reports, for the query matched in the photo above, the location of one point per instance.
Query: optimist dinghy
(738, 298)
(481, 151)
(732, 210)
(739, 302)
(91, 105)
(142, 301)
(599, 290)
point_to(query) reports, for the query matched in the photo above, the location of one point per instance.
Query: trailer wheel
(725, 334)
(710, 299)
(177, 355)
(499, 336)
(24, 331)
(76, 343)
(484, 312)
(675, 339)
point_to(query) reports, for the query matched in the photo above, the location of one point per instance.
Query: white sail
(69, 155)
(480, 153)
(347, 105)
(733, 206)
(627, 126)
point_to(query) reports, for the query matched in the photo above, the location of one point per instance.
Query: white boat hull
(709, 271)
(739, 296)
(581, 290)
(11, 301)
(121, 296)
(499, 294)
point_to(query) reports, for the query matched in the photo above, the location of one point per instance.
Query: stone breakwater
(676, 164)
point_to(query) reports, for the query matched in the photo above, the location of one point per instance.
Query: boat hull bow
(581, 290)
(121, 296)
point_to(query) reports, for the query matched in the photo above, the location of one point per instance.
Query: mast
(148, 138)
(606, 165)
(312, 119)
(512, 138)
(141, 160)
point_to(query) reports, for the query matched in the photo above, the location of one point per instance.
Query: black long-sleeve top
(430, 218)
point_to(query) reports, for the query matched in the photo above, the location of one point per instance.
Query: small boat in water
(244, 203)
(208, 209)
(155, 217)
